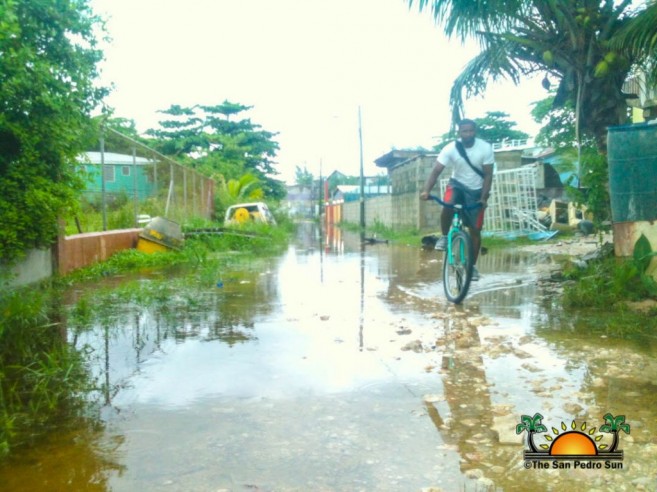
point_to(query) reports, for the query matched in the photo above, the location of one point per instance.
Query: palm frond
(491, 64)
(249, 187)
(638, 38)
(639, 35)
(466, 18)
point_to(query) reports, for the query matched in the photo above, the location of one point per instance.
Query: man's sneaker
(475, 274)
(441, 243)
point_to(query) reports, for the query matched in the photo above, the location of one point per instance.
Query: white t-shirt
(480, 154)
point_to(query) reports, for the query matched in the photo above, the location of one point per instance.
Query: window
(109, 173)
(125, 170)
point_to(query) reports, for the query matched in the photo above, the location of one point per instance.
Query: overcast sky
(305, 66)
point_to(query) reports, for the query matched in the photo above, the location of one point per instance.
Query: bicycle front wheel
(457, 267)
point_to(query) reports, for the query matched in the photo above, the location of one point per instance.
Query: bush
(608, 282)
(41, 376)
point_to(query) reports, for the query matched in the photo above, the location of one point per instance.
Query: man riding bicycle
(472, 161)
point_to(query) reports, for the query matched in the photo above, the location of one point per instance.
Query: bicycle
(459, 254)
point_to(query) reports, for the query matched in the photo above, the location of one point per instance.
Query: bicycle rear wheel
(457, 268)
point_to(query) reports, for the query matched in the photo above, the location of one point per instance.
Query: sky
(307, 68)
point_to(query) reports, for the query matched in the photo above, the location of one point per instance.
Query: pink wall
(82, 250)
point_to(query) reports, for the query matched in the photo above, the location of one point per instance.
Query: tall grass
(41, 376)
(606, 283)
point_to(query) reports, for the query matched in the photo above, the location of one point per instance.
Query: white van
(245, 212)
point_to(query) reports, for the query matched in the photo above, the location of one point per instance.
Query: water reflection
(528, 362)
(468, 426)
(340, 366)
(77, 457)
(129, 323)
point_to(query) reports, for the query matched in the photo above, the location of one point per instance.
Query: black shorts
(456, 192)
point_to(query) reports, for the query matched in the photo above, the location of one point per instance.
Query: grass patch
(606, 283)
(620, 322)
(42, 378)
(609, 281)
(413, 236)
(119, 214)
(249, 240)
(499, 242)
(378, 230)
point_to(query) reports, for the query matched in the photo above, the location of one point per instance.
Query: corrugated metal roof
(395, 157)
(112, 158)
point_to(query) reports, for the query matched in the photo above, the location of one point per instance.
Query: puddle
(340, 367)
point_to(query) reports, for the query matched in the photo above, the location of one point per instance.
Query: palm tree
(303, 177)
(532, 425)
(639, 37)
(568, 41)
(246, 188)
(614, 425)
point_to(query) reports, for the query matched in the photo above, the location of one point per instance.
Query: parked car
(246, 212)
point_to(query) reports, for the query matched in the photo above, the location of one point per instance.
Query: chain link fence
(128, 182)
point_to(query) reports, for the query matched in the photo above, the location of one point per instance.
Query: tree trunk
(530, 441)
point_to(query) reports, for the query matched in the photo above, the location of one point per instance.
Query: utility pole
(362, 178)
(320, 189)
(103, 199)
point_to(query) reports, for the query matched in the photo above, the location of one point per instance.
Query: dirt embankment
(578, 248)
(571, 246)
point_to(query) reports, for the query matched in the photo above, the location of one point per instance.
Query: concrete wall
(408, 179)
(380, 210)
(351, 213)
(395, 212)
(402, 209)
(71, 253)
(82, 250)
(508, 159)
(626, 234)
(36, 266)
(377, 209)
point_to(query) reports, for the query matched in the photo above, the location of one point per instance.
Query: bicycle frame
(457, 222)
(461, 263)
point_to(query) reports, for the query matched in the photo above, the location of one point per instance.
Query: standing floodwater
(339, 367)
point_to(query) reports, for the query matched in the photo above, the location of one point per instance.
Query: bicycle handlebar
(455, 205)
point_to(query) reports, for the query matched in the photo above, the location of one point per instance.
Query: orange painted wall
(82, 250)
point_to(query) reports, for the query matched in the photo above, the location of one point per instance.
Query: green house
(124, 175)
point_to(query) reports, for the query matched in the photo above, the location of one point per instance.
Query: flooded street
(341, 367)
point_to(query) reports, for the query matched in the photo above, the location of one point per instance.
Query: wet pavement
(341, 367)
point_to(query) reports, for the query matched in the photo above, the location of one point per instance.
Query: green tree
(110, 128)
(303, 177)
(568, 41)
(181, 134)
(591, 187)
(614, 425)
(48, 59)
(638, 38)
(215, 140)
(494, 127)
(558, 131)
(233, 191)
(531, 425)
(557, 124)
